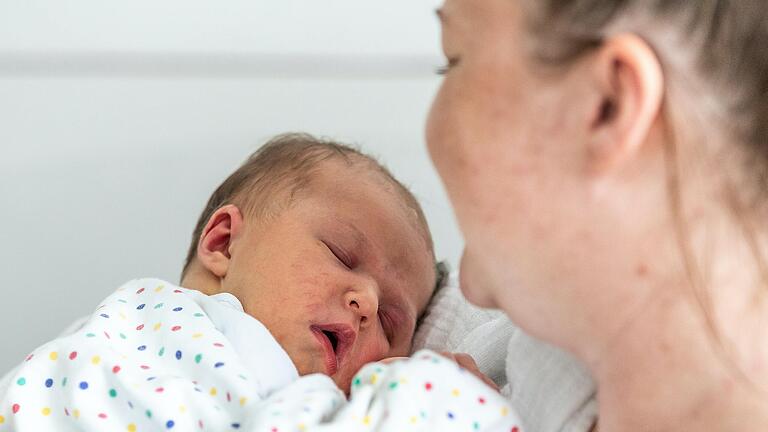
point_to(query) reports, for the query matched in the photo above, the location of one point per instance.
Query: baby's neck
(201, 280)
(666, 372)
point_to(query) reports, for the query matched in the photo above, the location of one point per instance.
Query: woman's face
(509, 139)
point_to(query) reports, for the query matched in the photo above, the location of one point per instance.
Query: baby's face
(340, 277)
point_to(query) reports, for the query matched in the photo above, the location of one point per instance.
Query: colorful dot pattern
(151, 359)
(424, 393)
(134, 363)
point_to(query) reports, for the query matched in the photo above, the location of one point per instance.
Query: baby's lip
(345, 337)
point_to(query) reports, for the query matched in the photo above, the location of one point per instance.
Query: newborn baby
(309, 262)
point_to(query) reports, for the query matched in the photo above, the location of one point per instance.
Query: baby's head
(322, 245)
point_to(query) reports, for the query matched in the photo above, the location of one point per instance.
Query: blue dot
(236, 425)
(142, 348)
(178, 355)
(130, 404)
(83, 385)
(104, 315)
(141, 306)
(450, 415)
(169, 424)
(49, 383)
(178, 309)
(151, 378)
(218, 365)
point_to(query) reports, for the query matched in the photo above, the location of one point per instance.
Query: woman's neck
(667, 372)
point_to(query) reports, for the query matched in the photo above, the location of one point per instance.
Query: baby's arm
(426, 392)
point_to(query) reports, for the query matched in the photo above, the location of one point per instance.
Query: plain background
(118, 119)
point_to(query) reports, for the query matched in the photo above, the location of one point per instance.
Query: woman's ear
(214, 246)
(631, 82)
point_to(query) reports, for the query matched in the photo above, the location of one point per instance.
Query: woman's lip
(331, 363)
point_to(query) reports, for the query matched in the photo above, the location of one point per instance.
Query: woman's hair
(273, 175)
(726, 39)
(723, 44)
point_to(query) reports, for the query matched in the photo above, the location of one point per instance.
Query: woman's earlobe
(631, 82)
(214, 247)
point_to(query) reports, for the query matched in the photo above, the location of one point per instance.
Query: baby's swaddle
(158, 357)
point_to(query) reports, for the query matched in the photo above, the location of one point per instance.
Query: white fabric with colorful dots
(424, 393)
(155, 356)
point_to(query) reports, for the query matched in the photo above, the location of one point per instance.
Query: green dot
(158, 306)
(198, 358)
(90, 335)
(113, 393)
(161, 352)
(392, 385)
(122, 336)
(476, 425)
(357, 381)
(64, 382)
(149, 414)
(198, 315)
(21, 381)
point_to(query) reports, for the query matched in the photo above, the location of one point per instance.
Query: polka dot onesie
(157, 357)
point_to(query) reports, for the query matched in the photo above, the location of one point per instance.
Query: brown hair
(287, 163)
(727, 40)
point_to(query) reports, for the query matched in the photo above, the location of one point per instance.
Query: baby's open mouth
(336, 339)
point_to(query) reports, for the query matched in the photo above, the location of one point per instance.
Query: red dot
(515, 429)
(229, 397)
(481, 400)
(159, 389)
(29, 357)
(116, 369)
(73, 355)
(428, 386)
(140, 327)
(102, 416)
(177, 291)
(15, 408)
(175, 328)
(66, 411)
(141, 290)
(107, 335)
(200, 423)
(218, 345)
(145, 367)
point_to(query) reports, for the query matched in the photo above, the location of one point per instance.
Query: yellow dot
(53, 355)
(157, 326)
(413, 419)
(46, 411)
(374, 378)
(183, 409)
(197, 336)
(504, 412)
(367, 420)
(122, 315)
(76, 413)
(403, 381)
(302, 427)
(243, 401)
(131, 427)
(159, 288)
(2, 419)
(213, 391)
(96, 360)
(455, 392)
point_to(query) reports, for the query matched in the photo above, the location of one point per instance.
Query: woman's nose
(363, 302)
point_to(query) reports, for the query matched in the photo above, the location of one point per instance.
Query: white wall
(117, 120)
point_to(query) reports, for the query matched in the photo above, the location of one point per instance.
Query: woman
(607, 164)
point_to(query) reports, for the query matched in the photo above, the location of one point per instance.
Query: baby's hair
(287, 163)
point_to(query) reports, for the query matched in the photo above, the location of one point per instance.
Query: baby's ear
(213, 249)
